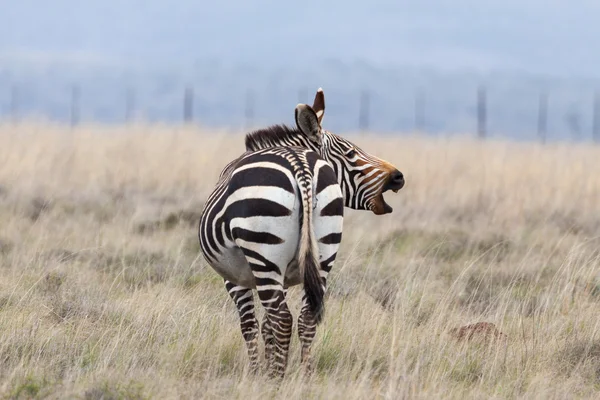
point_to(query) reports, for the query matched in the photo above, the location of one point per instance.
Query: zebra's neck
(278, 135)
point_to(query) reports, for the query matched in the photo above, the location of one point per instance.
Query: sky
(550, 37)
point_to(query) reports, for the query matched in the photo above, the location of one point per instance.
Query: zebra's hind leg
(267, 334)
(307, 329)
(245, 305)
(277, 328)
(307, 324)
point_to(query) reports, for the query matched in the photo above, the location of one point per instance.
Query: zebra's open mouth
(381, 206)
(386, 207)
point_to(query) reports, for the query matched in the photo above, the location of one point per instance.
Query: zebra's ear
(308, 122)
(319, 105)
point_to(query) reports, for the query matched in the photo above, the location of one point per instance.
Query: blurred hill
(274, 54)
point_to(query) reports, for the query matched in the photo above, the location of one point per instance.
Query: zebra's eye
(351, 153)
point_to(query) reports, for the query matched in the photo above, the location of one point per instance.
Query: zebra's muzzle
(395, 182)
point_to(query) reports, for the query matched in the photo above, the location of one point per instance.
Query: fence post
(481, 112)
(188, 105)
(75, 97)
(419, 111)
(14, 104)
(543, 117)
(249, 109)
(363, 113)
(596, 118)
(129, 104)
(573, 120)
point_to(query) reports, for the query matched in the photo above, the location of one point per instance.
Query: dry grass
(104, 293)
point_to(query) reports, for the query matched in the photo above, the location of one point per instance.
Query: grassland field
(104, 293)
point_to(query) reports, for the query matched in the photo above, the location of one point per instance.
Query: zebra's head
(363, 177)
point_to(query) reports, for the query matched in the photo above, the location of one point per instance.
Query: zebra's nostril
(397, 176)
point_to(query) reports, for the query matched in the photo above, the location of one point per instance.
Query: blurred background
(525, 70)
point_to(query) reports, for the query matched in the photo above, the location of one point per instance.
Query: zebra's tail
(308, 255)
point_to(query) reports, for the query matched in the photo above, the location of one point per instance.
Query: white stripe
(253, 260)
(265, 164)
(276, 288)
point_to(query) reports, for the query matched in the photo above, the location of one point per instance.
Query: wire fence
(15, 112)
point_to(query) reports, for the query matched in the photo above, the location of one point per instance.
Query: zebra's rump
(256, 209)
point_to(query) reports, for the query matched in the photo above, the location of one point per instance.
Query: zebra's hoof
(307, 369)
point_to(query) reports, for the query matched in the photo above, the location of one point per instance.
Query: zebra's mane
(275, 135)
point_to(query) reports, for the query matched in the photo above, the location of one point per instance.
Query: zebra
(275, 218)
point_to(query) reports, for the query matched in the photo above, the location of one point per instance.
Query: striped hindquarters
(263, 205)
(257, 190)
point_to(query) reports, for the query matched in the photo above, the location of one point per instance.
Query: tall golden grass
(104, 293)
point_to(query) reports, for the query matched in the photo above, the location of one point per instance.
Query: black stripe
(311, 159)
(326, 178)
(265, 281)
(263, 156)
(334, 208)
(227, 230)
(255, 237)
(244, 304)
(207, 241)
(261, 176)
(327, 264)
(219, 232)
(268, 265)
(270, 294)
(211, 239)
(332, 238)
(256, 207)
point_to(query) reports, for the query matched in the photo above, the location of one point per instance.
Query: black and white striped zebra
(275, 220)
